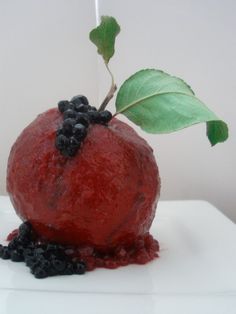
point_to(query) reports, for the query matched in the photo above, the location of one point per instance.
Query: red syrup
(12, 235)
(143, 250)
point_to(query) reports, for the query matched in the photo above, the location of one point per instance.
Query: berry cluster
(77, 116)
(44, 260)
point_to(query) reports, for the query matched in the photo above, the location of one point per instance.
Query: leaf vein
(149, 97)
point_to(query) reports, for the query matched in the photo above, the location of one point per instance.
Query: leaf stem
(111, 92)
(112, 77)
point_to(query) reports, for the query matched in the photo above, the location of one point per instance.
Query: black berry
(39, 251)
(80, 268)
(1, 250)
(74, 142)
(25, 229)
(82, 118)
(60, 131)
(79, 131)
(30, 261)
(94, 116)
(44, 260)
(68, 125)
(23, 240)
(69, 151)
(13, 244)
(77, 115)
(59, 265)
(80, 99)
(45, 264)
(28, 252)
(81, 108)
(69, 269)
(17, 256)
(5, 254)
(52, 247)
(61, 142)
(69, 114)
(105, 116)
(71, 106)
(40, 273)
(63, 105)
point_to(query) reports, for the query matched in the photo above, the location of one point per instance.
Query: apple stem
(111, 92)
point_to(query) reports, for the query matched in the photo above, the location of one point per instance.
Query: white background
(45, 56)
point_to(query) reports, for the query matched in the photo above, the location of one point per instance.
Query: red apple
(104, 196)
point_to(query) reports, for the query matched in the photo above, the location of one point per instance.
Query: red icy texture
(12, 235)
(104, 197)
(143, 250)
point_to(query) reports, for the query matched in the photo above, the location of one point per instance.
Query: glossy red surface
(103, 197)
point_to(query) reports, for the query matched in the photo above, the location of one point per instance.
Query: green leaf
(160, 103)
(217, 131)
(104, 37)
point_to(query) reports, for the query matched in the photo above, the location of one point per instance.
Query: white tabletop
(196, 271)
